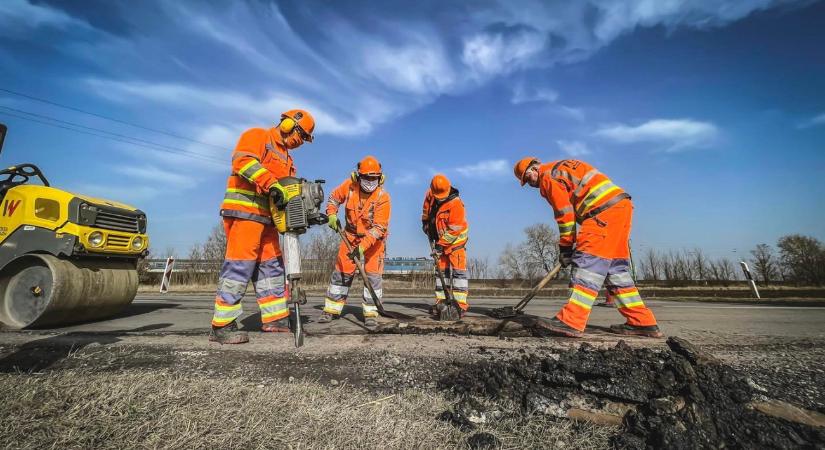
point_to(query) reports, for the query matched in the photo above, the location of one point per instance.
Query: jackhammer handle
(550, 275)
(448, 291)
(360, 265)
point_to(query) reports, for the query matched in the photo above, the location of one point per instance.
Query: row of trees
(796, 259)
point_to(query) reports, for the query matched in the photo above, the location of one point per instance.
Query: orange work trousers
(454, 267)
(602, 258)
(252, 254)
(344, 272)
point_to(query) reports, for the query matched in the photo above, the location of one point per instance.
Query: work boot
(557, 327)
(634, 330)
(228, 334)
(370, 323)
(326, 318)
(276, 326)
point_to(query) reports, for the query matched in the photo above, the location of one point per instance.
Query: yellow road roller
(64, 257)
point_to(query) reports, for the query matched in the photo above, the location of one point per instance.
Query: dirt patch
(677, 398)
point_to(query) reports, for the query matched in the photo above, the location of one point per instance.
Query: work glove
(334, 223)
(356, 254)
(565, 255)
(278, 194)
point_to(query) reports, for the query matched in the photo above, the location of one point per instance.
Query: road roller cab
(64, 257)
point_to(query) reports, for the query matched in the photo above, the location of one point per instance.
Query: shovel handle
(550, 275)
(360, 265)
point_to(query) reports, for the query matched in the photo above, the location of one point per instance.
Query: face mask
(293, 140)
(368, 185)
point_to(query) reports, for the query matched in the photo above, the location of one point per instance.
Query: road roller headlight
(96, 239)
(137, 243)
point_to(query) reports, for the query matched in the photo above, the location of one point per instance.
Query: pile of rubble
(677, 398)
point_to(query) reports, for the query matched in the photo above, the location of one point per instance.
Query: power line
(117, 135)
(131, 124)
(117, 139)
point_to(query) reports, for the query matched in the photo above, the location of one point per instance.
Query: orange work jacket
(577, 192)
(446, 220)
(258, 162)
(367, 215)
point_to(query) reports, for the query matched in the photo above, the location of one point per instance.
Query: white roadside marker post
(750, 279)
(167, 275)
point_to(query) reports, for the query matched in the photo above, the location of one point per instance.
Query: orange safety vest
(446, 220)
(258, 162)
(577, 192)
(368, 215)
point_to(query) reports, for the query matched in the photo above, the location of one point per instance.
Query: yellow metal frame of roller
(48, 208)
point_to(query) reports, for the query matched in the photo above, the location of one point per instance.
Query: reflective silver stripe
(378, 293)
(437, 283)
(269, 284)
(440, 295)
(622, 279)
(461, 283)
(247, 216)
(259, 201)
(558, 173)
(273, 307)
(335, 289)
(275, 152)
(629, 301)
(237, 155)
(456, 227)
(566, 228)
(585, 179)
(591, 197)
(250, 171)
(580, 297)
(375, 233)
(592, 278)
(227, 314)
(460, 297)
(563, 211)
(232, 287)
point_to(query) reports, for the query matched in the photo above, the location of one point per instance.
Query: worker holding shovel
(367, 211)
(443, 220)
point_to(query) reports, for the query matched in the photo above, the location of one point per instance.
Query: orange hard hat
(369, 166)
(520, 169)
(300, 119)
(440, 186)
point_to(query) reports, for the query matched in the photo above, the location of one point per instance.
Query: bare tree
(700, 264)
(533, 257)
(215, 246)
(652, 265)
(804, 259)
(478, 268)
(765, 263)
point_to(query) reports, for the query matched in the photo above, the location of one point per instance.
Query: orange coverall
(580, 194)
(446, 225)
(253, 252)
(367, 225)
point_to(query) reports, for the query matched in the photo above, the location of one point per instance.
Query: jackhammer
(301, 210)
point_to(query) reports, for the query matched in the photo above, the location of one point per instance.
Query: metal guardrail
(391, 265)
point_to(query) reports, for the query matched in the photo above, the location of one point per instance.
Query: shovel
(360, 265)
(512, 311)
(444, 313)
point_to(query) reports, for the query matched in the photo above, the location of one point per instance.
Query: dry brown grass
(161, 409)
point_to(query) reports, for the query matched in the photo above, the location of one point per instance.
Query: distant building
(398, 266)
(406, 265)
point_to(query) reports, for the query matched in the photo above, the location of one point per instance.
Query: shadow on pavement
(43, 353)
(137, 309)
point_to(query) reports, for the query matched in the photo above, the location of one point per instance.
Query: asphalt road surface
(189, 314)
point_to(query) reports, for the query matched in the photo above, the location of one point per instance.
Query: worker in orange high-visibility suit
(444, 221)
(253, 253)
(367, 211)
(581, 195)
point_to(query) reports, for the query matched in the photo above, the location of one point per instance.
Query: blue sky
(711, 113)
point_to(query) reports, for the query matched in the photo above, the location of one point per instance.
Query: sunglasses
(304, 135)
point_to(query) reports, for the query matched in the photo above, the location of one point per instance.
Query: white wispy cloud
(486, 168)
(352, 77)
(674, 134)
(573, 148)
(814, 121)
(20, 15)
(159, 177)
(407, 178)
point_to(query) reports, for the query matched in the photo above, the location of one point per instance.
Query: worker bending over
(367, 212)
(444, 221)
(253, 252)
(583, 197)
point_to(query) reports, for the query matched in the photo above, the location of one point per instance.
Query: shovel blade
(503, 313)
